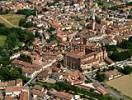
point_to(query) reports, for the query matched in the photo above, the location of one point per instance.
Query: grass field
(2, 40)
(11, 20)
(122, 84)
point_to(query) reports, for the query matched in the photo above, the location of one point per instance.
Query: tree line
(15, 38)
(117, 55)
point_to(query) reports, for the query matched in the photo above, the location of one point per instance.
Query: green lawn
(2, 40)
(11, 20)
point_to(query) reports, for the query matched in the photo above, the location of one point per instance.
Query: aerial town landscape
(65, 49)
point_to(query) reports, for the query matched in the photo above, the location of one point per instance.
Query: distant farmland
(122, 84)
(11, 20)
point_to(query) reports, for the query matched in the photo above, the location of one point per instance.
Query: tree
(26, 12)
(125, 44)
(12, 41)
(98, 20)
(123, 55)
(114, 8)
(4, 56)
(51, 29)
(24, 23)
(9, 72)
(100, 77)
(130, 39)
(119, 56)
(111, 47)
(62, 86)
(88, 81)
(129, 4)
(4, 73)
(14, 73)
(25, 58)
(77, 18)
(52, 38)
(129, 16)
(2, 25)
(127, 70)
(22, 35)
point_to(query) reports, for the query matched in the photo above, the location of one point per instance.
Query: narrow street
(39, 71)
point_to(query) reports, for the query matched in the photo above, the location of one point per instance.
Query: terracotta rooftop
(9, 98)
(15, 88)
(26, 67)
(62, 95)
(100, 88)
(44, 74)
(76, 54)
(24, 95)
(75, 77)
(25, 64)
(10, 83)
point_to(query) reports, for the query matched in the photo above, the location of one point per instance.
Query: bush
(114, 8)
(88, 81)
(100, 77)
(123, 55)
(119, 56)
(127, 70)
(27, 12)
(10, 73)
(129, 4)
(25, 24)
(15, 38)
(125, 44)
(25, 58)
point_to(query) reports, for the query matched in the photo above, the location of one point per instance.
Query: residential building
(75, 77)
(112, 74)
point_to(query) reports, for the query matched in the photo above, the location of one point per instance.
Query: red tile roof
(8, 98)
(15, 88)
(24, 95)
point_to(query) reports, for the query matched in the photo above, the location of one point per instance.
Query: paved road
(34, 75)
